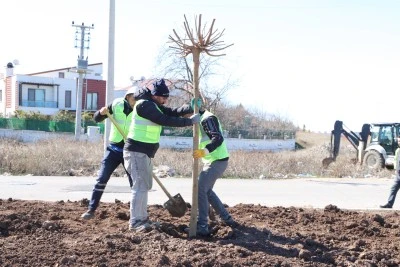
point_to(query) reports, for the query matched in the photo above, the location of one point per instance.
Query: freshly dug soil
(37, 233)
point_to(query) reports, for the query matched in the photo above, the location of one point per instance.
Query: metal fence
(43, 125)
(65, 126)
(42, 104)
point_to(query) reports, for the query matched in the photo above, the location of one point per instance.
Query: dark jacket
(166, 117)
(211, 128)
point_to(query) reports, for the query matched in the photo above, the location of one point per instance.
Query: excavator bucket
(327, 161)
(335, 144)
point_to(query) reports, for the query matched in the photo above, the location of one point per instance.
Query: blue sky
(312, 62)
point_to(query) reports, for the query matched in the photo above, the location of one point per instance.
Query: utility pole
(110, 72)
(82, 36)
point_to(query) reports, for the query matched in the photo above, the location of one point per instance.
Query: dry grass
(64, 157)
(49, 158)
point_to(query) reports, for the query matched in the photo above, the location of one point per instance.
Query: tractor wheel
(373, 160)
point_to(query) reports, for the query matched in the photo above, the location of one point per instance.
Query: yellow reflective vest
(219, 153)
(142, 129)
(121, 118)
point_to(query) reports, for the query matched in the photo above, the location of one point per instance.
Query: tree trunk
(195, 169)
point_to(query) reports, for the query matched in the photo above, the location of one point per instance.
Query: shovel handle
(116, 125)
(162, 186)
(123, 135)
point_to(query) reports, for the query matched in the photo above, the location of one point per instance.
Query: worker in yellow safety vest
(121, 110)
(149, 115)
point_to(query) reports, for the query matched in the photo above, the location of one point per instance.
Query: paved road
(345, 193)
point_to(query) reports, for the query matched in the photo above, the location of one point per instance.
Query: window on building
(36, 98)
(68, 99)
(61, 75)
(91, 101)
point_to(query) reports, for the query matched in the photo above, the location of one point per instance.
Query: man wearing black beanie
(160, 88)
(149, 115)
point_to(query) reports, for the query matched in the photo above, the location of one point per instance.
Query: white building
(50, 91)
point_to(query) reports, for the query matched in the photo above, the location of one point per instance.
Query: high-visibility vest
(121, 118)
(142, 129)
(220, 152)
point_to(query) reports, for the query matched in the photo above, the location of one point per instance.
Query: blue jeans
(207, 178)
(393, 190)
(110, 162)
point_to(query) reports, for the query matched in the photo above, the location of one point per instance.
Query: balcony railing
(39, 104)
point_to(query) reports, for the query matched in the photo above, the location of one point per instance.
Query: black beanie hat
(160, 88)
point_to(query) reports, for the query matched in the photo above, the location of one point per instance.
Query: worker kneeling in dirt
(214, 154)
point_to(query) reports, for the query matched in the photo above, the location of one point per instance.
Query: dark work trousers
(110, 162)
(393, 190)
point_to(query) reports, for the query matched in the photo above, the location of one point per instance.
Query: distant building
(50, 91)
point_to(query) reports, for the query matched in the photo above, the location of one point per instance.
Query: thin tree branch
(189, 32)
(210, 31)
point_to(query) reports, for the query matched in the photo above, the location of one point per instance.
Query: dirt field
(52, 234)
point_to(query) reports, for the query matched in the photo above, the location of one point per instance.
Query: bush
(64, 115)
(33, 115)
(87, 117)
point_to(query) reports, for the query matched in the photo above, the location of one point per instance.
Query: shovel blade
(176, 206)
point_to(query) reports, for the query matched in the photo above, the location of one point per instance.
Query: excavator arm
(353, 138)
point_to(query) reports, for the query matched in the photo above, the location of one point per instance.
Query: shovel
(176, 206)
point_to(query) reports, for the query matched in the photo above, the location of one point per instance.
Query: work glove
(199, 153)
(103, 111)
(197, 103)
(195, 118)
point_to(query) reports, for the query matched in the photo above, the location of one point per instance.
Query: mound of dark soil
(34, 233)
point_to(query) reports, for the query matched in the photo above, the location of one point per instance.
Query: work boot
(386, 206)
(230, 222)
(202, 230)
(88, 215)
(140, 226)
